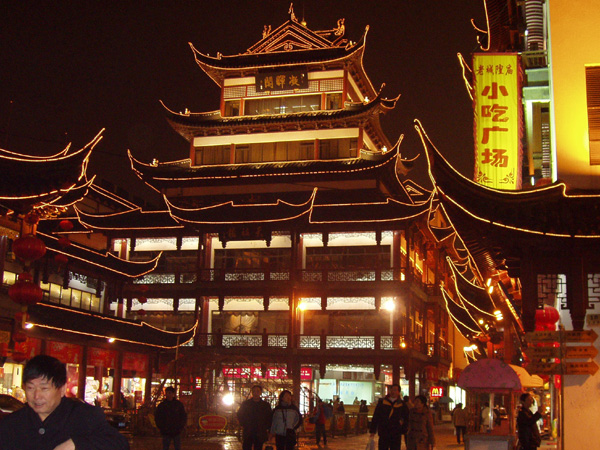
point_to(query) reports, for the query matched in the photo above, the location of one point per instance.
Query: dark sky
(71, 68)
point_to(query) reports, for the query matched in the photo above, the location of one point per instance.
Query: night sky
(71, 68)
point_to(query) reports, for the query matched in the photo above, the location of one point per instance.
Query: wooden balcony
(318, 347)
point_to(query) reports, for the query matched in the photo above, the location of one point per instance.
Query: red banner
(30, 348)
(67, 353)
(137, 362)
(101, 357)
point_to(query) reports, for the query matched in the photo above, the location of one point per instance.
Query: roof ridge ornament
(266, 31)
(291, 13)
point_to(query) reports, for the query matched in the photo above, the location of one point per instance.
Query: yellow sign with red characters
(498, 124)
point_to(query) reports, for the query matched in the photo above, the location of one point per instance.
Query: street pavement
(444, 435)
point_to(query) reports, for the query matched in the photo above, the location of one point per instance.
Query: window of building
(232, 108)
(347, 258)
(282, 105)
(592, 86)
(253, 258)
(333, 101)
(274, 151)
(338, 148)
(218, 154)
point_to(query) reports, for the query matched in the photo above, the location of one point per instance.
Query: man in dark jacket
(50, 421)
(254, 416)
(390, 419)
(529, 433)
(171, 419)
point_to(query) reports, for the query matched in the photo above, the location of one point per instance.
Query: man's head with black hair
(45, 384)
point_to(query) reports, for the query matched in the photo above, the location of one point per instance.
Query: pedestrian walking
(254, 416)
(321, 413)
(171, 419)
(528, 431)
(420, 426)
(286, 420)
(390, 420)
(460, 420)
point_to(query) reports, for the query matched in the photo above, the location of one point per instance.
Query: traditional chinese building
(290, 233)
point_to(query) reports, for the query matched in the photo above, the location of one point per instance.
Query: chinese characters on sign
(497, 120)
(281, 81)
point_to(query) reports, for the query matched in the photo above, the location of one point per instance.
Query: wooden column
(117, 379)
(528, 291)
(81, 374)
(148, 385)
(577, 298)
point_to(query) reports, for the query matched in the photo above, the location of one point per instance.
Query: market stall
(494, 385)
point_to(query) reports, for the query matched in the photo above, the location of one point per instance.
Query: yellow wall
(574, 28)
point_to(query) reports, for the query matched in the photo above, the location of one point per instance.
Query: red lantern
(546, 318)
(144, 288)
(61, 259)
(25, 276)
(25, 293)
(29, 248)
(142, 299)
(66, 225)
(18, 357)
(19, 337)
(141, 312)
(64, 241)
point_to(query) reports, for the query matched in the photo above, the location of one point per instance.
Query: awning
(494, 375)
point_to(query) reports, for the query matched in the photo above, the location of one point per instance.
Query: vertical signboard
(498, 124)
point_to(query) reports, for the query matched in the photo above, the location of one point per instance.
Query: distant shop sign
(273, 373)
(436, 392)
(212, 422)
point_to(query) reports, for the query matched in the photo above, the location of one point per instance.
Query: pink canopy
(494, 375)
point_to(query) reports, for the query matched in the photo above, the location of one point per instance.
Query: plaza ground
(444, 434)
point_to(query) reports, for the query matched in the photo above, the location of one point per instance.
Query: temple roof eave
(191, 125)
(545, 211)
(85, 323)
(221, 67)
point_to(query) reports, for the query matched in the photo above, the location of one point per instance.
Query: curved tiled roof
(89, 324)
(494, 224)
(133, 219)
(29, 180)
(99, 261)
(182, 173)
(229, 213)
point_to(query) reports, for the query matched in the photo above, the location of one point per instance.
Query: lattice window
(151, 244)
(235, 91)
(310, 342)
(350, 342)
(336, 84)
(351, 301)
(156, 278)
(552, 289)
(593, 290)
(592, 88)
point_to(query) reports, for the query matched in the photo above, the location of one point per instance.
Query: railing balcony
(320, 342)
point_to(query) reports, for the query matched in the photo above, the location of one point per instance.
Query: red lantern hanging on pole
(29, 248)
(18, 357)
(66, 225)
(25, 293)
